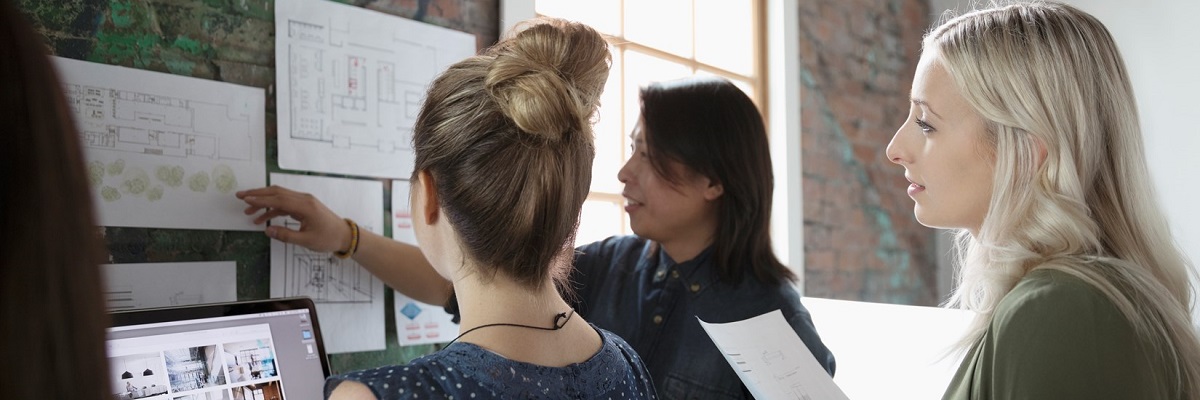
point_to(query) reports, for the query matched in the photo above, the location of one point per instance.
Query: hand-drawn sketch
(325, 278)
(143, 285)
(771, 359)
(166, 151)
(351, 82)
(349, 299)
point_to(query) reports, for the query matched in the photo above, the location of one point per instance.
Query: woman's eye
(925, 127)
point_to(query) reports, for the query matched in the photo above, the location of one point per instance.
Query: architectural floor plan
(166, 151)
(351, 83)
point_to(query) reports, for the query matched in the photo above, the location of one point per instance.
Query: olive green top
(1056, 337)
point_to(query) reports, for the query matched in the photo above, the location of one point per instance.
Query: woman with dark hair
(52, 334)
(698, 187)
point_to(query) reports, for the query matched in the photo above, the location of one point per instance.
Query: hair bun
(548, 77)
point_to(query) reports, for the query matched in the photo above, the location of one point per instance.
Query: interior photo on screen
(193, 368)
(138, 376)
(250, 360)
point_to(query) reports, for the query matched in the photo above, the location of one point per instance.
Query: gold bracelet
(353, 241)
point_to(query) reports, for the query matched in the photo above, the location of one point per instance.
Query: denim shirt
(651, 301)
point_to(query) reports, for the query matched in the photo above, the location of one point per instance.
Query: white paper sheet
(890, 351)
(167, 151)
(772, 360)
(349, 299)
(143, 285)
(351, 82)
(416, 322)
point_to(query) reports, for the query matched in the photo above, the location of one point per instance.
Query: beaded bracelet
(353, 241)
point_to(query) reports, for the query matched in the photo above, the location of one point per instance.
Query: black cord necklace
(560, 321)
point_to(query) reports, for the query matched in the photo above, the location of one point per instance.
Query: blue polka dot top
(466, 371)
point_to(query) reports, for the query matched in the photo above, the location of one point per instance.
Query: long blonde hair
(1048, 77)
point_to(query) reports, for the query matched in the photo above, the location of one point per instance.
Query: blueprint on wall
(349, 299)
(351, 83)
(166, 151)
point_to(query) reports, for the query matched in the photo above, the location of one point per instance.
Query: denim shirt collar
(698, 270)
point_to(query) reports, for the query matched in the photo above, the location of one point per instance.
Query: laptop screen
(257, 350)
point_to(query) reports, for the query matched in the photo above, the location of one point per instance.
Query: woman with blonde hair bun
(1023, 134)
(504, 150)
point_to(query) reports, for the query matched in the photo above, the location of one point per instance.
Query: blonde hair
(507, 136)
(1048, 77)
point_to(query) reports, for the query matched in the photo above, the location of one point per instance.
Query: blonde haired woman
(1023, 134)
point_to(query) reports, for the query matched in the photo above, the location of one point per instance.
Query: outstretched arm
(399, 265)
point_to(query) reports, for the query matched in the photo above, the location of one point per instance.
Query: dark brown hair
(713, 129)
(51, 307)
(507, 137)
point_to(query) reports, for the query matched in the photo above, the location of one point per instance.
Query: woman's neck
(498, 299)
(691, 243)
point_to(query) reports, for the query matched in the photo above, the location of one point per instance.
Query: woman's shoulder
(464, 370)
(1054, 300)
(431, 376)
(1044, 284)
(615, 245)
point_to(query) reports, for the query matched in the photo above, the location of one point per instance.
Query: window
(654, 41)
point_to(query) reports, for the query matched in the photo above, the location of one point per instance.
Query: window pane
(725, 35)
(662, 24)
(599, 220)
(604, 15)
(745, 86)
(641, 69)
(610, 134)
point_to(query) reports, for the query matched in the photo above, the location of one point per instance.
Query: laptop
(250, 350)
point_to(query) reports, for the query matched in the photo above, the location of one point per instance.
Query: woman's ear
(714, 190)
(426, 198)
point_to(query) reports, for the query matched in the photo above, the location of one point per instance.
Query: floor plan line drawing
(133, 122)
(324, 277)
(142, 285)
(166, 151)
(352, 82)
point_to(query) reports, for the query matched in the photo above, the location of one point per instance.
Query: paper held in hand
(772, 360)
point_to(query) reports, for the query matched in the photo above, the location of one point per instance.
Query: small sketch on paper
(130, 286)
(770, 357)
(325, 278)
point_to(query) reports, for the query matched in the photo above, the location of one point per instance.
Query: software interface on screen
(262, 356)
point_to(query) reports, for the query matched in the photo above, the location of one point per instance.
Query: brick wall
(861, 240)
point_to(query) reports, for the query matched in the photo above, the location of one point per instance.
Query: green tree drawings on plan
(155, 193)
(198, 182)
(95, 171)
(172, 175)
(136, 181)
(110, 194)
(116, 167)
(224, 178)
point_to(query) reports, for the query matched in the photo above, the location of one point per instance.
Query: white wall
(1160, 40)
